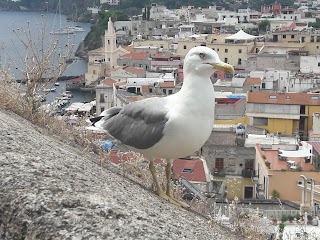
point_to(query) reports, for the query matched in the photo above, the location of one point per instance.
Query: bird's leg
(168, 192)
(155, 180)
(168, 176)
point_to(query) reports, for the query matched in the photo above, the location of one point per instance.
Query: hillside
(49, 190)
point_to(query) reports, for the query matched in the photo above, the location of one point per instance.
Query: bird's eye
(202, 55)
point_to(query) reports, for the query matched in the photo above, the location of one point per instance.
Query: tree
(40, 63)
(264, 26)
(315, 24)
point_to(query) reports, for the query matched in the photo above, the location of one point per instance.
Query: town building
(286, 113)
(279, 168)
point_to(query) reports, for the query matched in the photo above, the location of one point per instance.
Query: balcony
(260, 191)
(248, 173)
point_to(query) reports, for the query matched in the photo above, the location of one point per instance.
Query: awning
(241, 35)
(297, 153)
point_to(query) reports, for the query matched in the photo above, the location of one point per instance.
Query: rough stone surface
(49, 190)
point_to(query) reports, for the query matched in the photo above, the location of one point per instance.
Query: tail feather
(105, 115)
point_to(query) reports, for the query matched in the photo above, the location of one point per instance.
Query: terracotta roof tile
(129, 48)
(252, 81)
(134, 70)
(168, 84)
(108, 82)
(192, 170)
(120, 83)
(284, 98)
(136, 56)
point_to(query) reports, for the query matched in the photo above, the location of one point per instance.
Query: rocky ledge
(49, 190)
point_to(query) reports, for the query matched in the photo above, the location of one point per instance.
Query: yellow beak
(227, 68)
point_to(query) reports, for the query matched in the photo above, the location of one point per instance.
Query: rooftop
(284, 98)
(290, 163)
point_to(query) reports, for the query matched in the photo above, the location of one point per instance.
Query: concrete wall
(273, 108)
(230, 111)
(286, 183)
(223, 145)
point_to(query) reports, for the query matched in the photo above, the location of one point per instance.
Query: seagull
(169, 127)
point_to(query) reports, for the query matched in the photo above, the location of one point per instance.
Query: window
(108, 42)
(259, 121)
(314, 97)
(226, 50)
(164, 91)
(187, 170)
(248, 192)
(288, 97)
(312, 39)
(263, 85)
(225, 60)
(101, 109)
(240, 50)
(273, 97)
(292, 36)
(249, 164)
(228, 75)
(170, 92)
(93, 72)
(219, 164)
(184, 47)
(318, 64)
(217, 49)
(102, 97)
(239, 61)
(284, 36)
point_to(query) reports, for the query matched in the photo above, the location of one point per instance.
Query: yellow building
(282, 174)
(286, 113)
(310, 40)
(237, 186)
(101, 60)
(232, 51)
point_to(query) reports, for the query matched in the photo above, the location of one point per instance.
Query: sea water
(25, 21)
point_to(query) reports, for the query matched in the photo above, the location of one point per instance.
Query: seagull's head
(205, 60)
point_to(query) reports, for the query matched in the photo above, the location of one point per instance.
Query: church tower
(110, 44)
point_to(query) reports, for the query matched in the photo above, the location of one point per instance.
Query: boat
(56, 83)
(49, 89)
(62, 30)
(75, 28)
(67, 94)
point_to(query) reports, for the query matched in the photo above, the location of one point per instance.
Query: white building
(186, 31)
(310, 64)
(110, 2)
(276, 80)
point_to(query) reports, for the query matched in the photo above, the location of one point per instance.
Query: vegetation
(39, 64)
(133, 7)
(93, 39)
(315, 24)
(275, 194)
(264, 25)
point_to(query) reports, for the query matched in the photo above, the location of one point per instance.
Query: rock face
(49, 190)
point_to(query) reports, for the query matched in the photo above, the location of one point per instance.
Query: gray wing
(139, 124)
